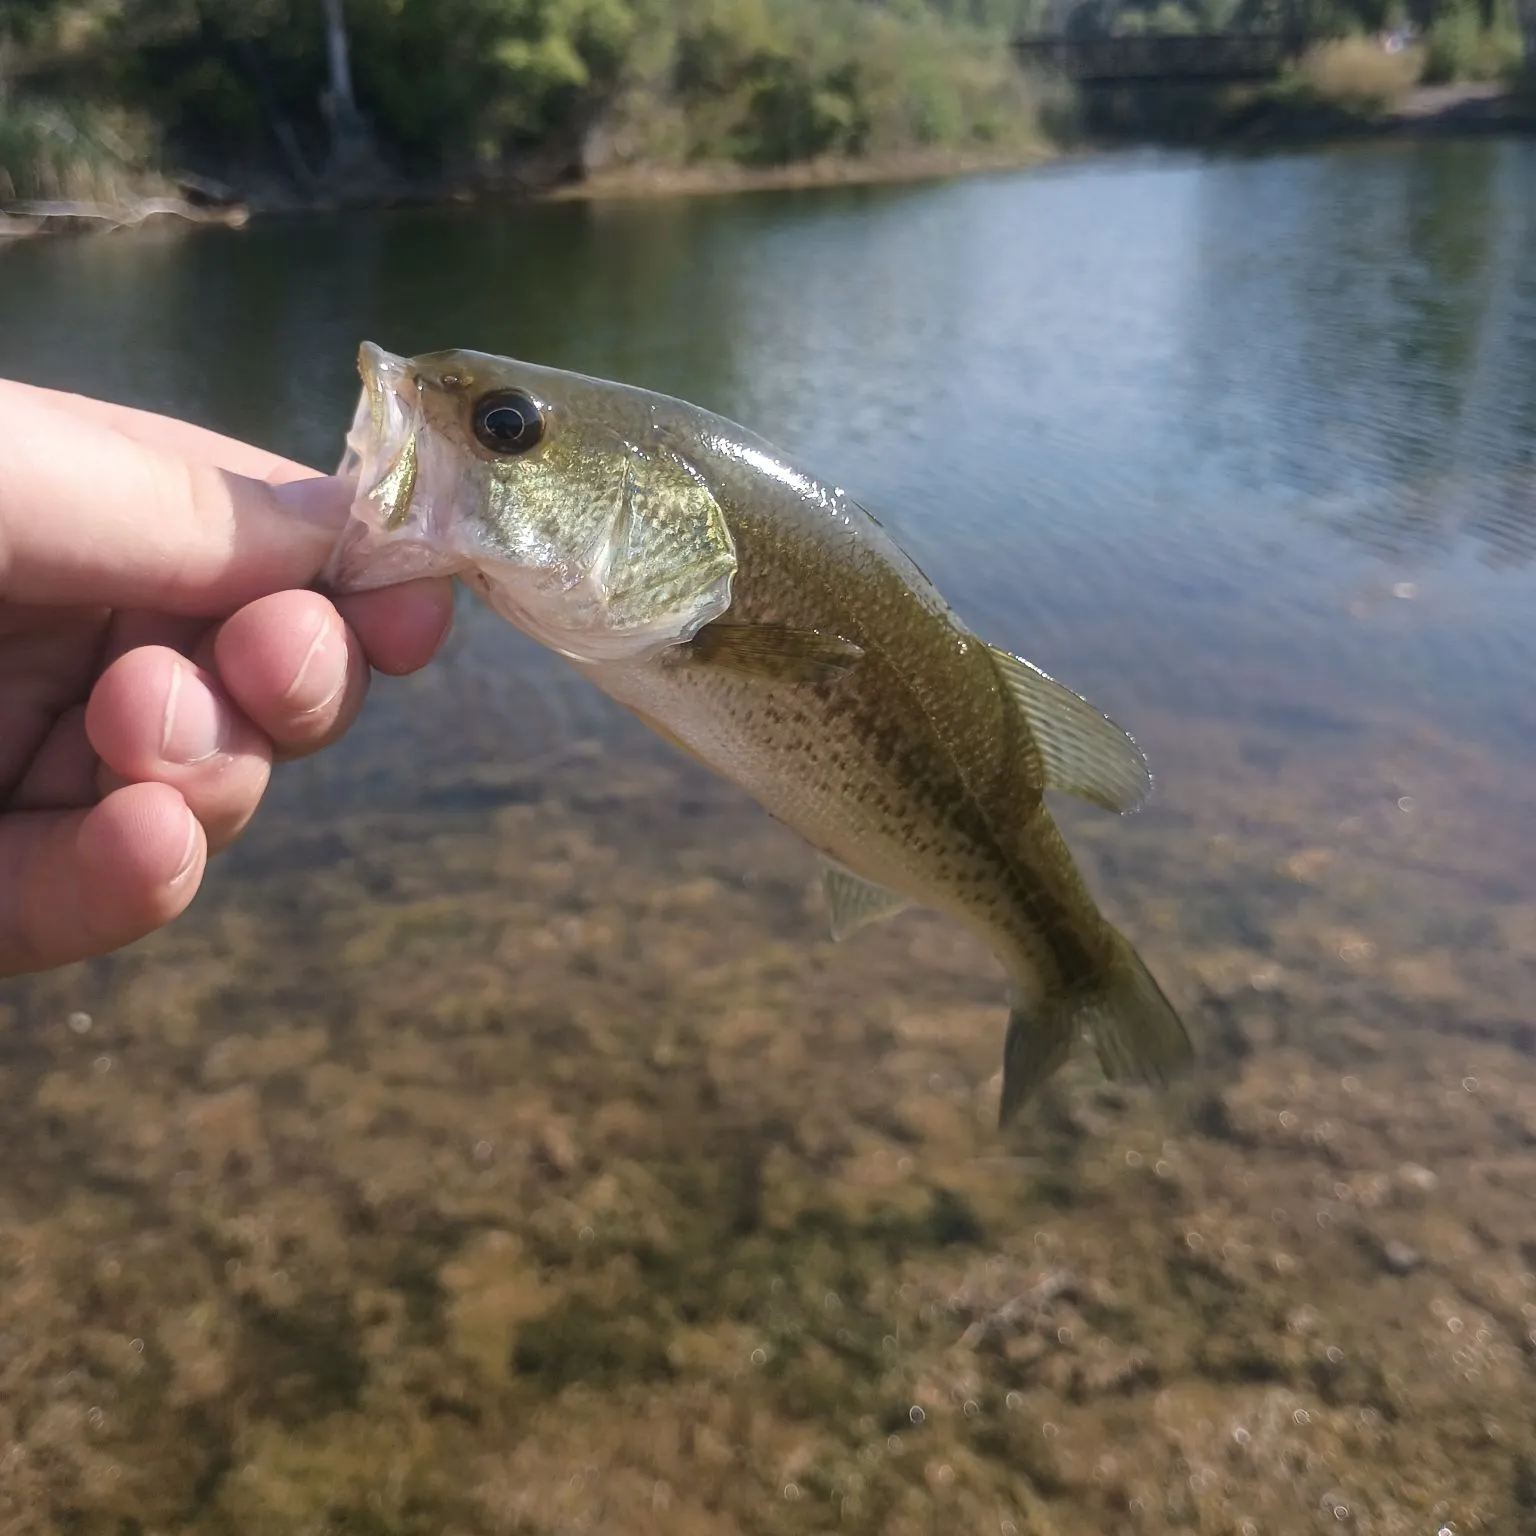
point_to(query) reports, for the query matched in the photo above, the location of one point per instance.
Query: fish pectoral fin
(1084, 752)
(853, 901)
(774, 653)
(1137, 1034)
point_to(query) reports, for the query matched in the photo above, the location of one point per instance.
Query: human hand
(158, 653)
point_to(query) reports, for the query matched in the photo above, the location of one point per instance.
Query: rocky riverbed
(520, 1157)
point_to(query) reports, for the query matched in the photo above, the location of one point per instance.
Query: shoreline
(1474, 108)
(709, 178)
(1466, 109)
(721, 177)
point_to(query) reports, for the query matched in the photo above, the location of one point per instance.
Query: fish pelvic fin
(853, 902)
(1136, 1032)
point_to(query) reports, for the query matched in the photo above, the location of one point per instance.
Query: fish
(768, 626)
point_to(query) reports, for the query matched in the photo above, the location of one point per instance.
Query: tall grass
(53, 153)
(1357, 73)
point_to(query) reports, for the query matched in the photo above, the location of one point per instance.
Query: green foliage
(459, 85)
(759, 81)
(1171, 17)
(447, 79)
(1467, 43)
(1467, 39)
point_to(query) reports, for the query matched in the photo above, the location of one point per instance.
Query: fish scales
(911, 770)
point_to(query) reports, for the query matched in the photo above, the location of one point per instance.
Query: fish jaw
(405, 486)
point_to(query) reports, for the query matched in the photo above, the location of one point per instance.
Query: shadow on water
(499, 1144)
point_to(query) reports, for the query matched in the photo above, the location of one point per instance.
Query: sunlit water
(500, 1145)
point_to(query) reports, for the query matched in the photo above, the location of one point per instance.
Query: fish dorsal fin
(853, 902)
(1084, 752)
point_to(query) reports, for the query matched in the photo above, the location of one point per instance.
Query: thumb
(91, 516)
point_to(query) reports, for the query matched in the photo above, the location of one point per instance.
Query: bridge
(1137, 58)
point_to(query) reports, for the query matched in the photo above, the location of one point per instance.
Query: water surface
(499, 1145)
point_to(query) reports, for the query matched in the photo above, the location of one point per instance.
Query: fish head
(557, 498)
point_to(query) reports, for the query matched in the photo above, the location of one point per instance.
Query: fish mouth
(385, 540)
(389, 412)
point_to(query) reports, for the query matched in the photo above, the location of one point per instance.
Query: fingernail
(194, 851)
(322, 674)
(193, 729)
(323, 500)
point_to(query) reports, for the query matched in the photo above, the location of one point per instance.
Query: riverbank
(1269, 116)
(643, 180)
(1303, 110)
(1463, 109)
(826, 171)
(490, 107)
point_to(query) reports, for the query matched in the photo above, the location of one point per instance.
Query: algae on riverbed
(517, 1164)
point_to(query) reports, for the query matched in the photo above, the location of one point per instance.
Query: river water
(500, 1145)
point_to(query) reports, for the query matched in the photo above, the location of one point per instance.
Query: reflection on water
(500, 1145)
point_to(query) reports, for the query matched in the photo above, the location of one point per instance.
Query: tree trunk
(352, 151)
(343, 103)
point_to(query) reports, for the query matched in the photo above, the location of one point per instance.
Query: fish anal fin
(1083, 751)
(1037, 1046)
(853, 902)
(1135, 1030)
(774, 653)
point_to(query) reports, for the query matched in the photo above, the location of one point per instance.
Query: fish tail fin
(1135, 1030)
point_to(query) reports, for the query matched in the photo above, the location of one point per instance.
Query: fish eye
(508, 421)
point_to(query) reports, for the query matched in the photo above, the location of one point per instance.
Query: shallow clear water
(499, 1145)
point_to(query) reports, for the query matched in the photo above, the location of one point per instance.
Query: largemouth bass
(768, 626)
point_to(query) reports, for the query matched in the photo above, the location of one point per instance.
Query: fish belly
(815, 770)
